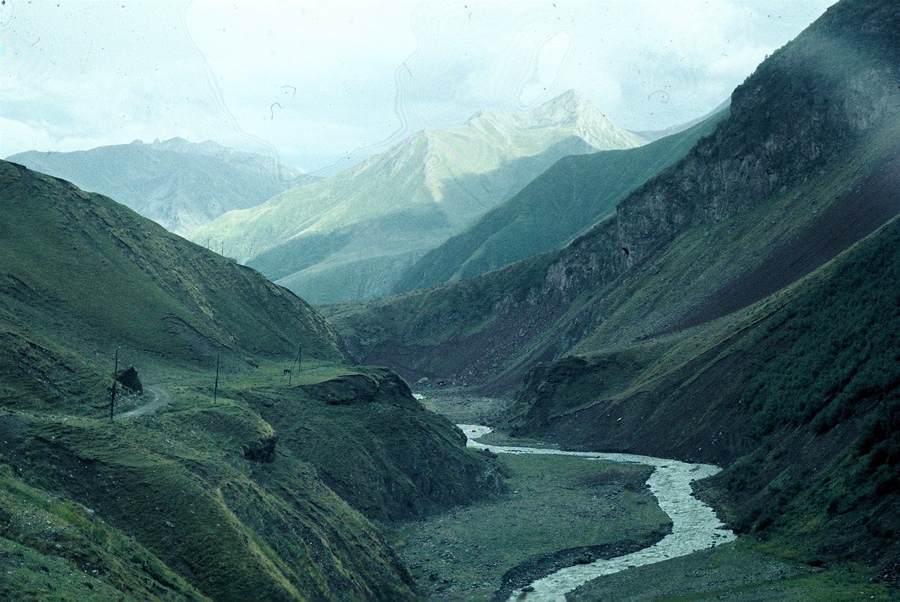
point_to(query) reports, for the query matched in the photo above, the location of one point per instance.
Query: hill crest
(178, 184)
(350, 235)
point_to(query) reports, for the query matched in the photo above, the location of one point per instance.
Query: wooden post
(112, 398)
(216, 386)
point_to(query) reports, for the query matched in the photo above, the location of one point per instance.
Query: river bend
(694, 524)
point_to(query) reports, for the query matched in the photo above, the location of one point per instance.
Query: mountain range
(737, 308)
(350, 236)
(561, 203)
(176, 183)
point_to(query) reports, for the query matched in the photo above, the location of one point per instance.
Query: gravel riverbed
(695, 525)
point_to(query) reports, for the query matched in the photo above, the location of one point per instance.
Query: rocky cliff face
(572, 195)
(802, 108)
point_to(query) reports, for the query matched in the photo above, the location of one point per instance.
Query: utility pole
(112, 399)
(216, 386)
(290, 373)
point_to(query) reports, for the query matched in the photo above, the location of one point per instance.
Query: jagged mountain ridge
(569, 110)
(350, 235)
(561, 203)
(178, 184)
(201, 488)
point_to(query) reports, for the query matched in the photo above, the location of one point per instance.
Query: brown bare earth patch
(847, 221)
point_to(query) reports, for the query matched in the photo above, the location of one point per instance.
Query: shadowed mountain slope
(799, 395)
(203, 486)
(176, 183)
(561, 203)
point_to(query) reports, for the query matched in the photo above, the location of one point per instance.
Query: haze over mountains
(183, 186)
(176, 183)
(351, 235)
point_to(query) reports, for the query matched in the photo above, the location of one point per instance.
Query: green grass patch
(554, 503)
(742, 571)
(52, 548)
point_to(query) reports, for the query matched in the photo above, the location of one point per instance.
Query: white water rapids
(694, 524)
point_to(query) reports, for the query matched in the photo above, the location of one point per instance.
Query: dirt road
(157, 398)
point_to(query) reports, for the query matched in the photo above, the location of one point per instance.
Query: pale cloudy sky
(324, 83)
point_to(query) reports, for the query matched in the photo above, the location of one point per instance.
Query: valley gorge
(498, 319)
(532, 357)
(694, 525)
(655, 332)
(352, 235)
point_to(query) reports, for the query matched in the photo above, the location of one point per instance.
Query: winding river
(694, 524)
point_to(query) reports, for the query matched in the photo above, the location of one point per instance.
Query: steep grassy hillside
(740, 308)
(802, 168)
(351, 235)
(203, 513)
(206, 485)
(563, 202)
(375, 445)
(177, 184)
(82, 266)
(799, 394)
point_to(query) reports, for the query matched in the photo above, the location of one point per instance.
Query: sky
(322, 84)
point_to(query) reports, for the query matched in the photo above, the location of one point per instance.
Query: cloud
(318, 82)
(32, 136)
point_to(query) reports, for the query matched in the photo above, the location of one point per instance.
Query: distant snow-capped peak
(569, 110)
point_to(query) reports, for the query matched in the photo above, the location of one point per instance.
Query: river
(695, 525)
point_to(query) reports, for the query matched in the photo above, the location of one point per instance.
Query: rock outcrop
(384, 387)
(262, 451)
(129, 378)
(375, 445)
